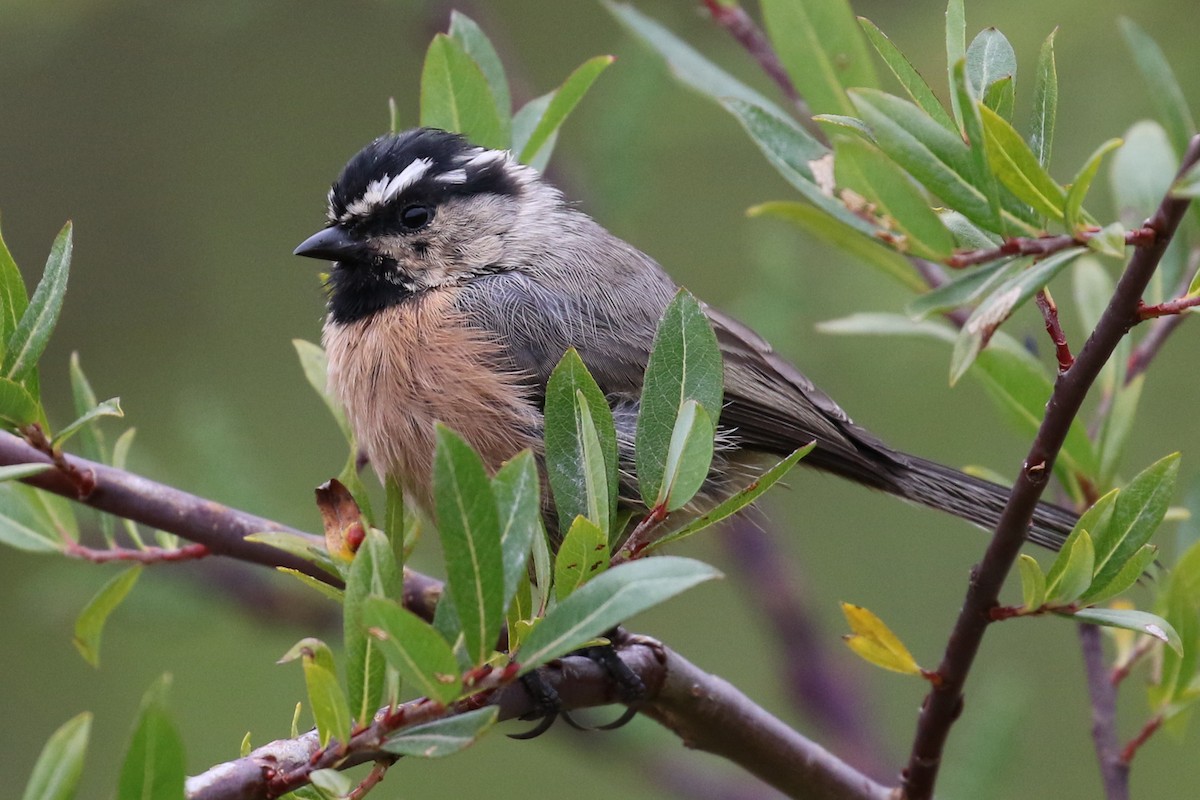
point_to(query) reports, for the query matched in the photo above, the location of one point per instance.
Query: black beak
(330, 244)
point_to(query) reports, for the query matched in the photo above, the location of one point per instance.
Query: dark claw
(620, 721)
(537, 730)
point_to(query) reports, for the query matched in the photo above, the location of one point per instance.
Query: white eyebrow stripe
(453, 176)
(380, 192)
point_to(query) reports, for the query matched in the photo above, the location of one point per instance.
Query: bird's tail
(978, 501)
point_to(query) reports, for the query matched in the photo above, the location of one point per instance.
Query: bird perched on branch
(460, 278)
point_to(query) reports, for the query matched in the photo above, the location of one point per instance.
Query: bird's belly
(403, 369)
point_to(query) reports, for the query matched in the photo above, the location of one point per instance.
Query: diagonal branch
(944, 703)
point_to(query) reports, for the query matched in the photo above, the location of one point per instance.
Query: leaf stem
(148, 555)
(1042, 246)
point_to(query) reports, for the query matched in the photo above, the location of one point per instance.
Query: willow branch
(944, 703)
(1103, 694)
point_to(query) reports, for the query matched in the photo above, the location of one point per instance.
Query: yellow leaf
(873, 641)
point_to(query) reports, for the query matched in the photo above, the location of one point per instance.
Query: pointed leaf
(1117, 427)
(562, 104)
(1075, 215)
(1130, 573)
(1131, 619)
(475, 42)
(13, 299)
(23, 523)
(315, 365)
(1045, 103)
(455, 96)
(830, 230)
(1138, 512)
(982, 175)
(823, 49)
(517, 489)
(582, 555)
(1033, 583)
(91, 439)
(873, 641)
(956, 48)
(413, 648)
(1018, 168)
(739, 500)
(1162, 86)
(470, 532)
(373, 572)
(443, 737)
(909, 78)
(689, 456)
(1075, 577)
(14, 472)
(1001, 97)
(109, 408)
(153, 766)
(990, 59)
(963, 288)
(608, 600)
(523, 124)
(914, 226)
(17, 405)
(89, 625)
(28, 341)
(60, 765)
(577, 411)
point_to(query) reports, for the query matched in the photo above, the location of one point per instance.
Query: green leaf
(1045, 103)
(576, 410)
(1001, 97)
(964, 287)
(607, 600)
(956, 48)
(794, 154)
(310, 548)
(689, 456)
(336, 595)
(17, 405)
(562, 104)
(1075, 216)
(982, 175)
(315, 365)
(739, 500)
(1142, 171)
(455, 96)
(1178, 667)
(373, 572)
(28, 341)
(1072, 571)
(24, 523)
(60, 765)
(990, 59)
(820, 225)
(583, 555)
(470, 533)
(413, 648)
(1109, 241)
(109, 408)
(523, 124)
(443, 737)
(475, 42)
(153, 766)
(1163, 88)
(999, 306)
(1033, 583)
(937, 158)
(687, 64)
(1131, 619)
(909, 78)
(1117, 426)
(331, 784)
(517, 490)
(1131, 572)
(822, 48)
(89, 625)
(684, 364)
(395, 522)
(1018, 168)
(330, 709)
(14, 472)
(91, 439)
(1138, 512)
(915, 227)
(13, 300)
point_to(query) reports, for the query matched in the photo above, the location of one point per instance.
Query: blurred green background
(192, 144)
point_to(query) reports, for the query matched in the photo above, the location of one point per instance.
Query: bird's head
(416, 211)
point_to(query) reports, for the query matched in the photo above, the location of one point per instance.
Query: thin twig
(1049, 309)
(1041, 246)
(734, 19)
(1113, 770)
(1131, 748)
(944, 703)
(371, 781)
(147, 555)
(1176, 306)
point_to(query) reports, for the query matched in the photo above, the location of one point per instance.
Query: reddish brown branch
(147, 555)
(1042, 246)
(1176, 306)
(1049, 309)
(371, 781)
(1148, 730)
(943, 705)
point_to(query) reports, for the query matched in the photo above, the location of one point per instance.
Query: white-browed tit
(460, 278)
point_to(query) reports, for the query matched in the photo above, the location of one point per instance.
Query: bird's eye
(413, 218)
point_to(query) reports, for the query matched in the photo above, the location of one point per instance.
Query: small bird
(459, 279)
